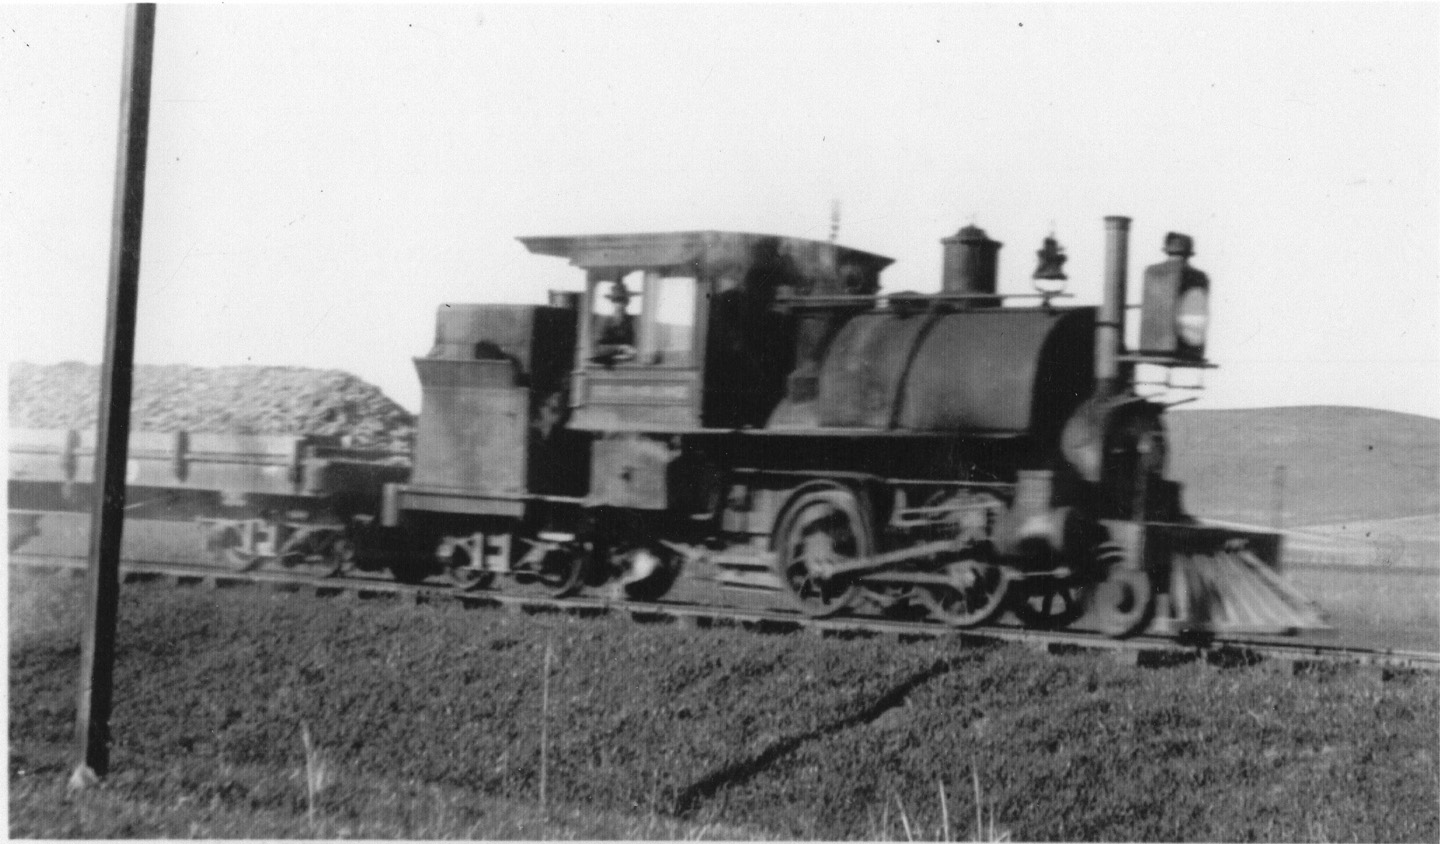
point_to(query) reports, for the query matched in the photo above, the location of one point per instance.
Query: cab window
(615, 317)
(668, 329)
(645, 318)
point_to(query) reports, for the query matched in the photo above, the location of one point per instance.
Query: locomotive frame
(782, 433)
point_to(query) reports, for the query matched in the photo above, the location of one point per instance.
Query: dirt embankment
(288, 400)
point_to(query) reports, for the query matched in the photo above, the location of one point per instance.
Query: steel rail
(1140, 650)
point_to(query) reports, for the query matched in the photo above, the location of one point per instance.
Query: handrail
(844, 300)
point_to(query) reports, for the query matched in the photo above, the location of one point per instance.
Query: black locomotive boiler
(746, 420)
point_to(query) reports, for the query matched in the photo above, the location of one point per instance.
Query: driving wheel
(975, 593)
(821, 529)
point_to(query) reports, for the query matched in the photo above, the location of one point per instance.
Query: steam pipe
(1110, 325)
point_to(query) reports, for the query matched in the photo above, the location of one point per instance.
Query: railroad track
(1293, 654)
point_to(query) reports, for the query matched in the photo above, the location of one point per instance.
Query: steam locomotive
(745, 420)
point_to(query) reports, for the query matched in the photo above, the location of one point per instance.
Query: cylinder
(1110, 325)
(971, 263)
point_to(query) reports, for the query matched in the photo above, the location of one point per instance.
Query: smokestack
(971, 260)
(1110, 325)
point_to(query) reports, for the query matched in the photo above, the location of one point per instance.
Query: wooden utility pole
(107, 512)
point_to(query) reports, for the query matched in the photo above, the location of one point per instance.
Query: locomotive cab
(706, 349)
(636, 359)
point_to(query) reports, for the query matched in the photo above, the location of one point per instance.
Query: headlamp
(1192, 316)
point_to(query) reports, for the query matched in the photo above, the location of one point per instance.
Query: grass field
(1300, 466)
(427, 722)
(1394, 609)
(1413, 541)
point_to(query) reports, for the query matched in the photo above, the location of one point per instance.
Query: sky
(321, 178)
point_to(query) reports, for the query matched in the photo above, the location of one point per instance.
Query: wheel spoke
(1049, 605)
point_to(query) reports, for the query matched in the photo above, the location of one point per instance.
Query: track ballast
(1295, 655)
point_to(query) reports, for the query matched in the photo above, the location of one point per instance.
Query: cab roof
(668, 249)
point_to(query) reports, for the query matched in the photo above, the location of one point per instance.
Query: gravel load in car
(289, 400)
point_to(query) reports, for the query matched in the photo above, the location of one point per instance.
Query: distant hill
(1336, 464)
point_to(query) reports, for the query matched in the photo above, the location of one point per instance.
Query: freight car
(746, 420)
(237, 501)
